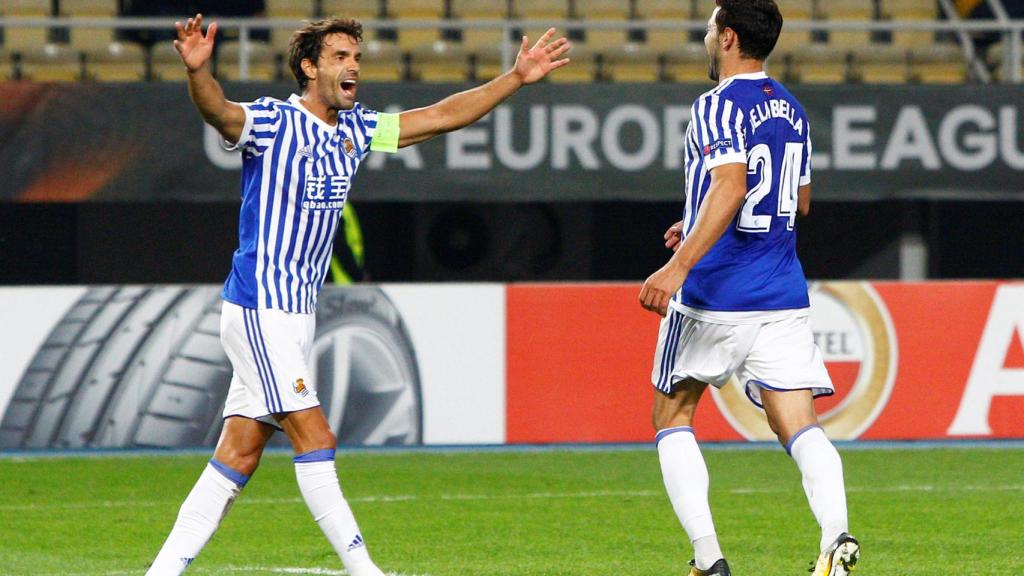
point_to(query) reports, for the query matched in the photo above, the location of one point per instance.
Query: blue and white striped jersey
(296, 174)
(754, 120)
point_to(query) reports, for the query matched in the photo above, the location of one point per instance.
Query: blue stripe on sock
(314, 456)
(669, 431)
(229, 473)
(799, 433)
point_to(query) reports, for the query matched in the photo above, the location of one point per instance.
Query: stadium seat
(6, 65)
(86, 38)
(687, 63)
(165, 63)
(116, 62)
(654, 10)
(540, 9)
(291, 9)
(17, 39)
(358, 9)
(469, 10)
(880, 64)
(416, 9)
(997, 61)
(604, 11)
(382, 62)
(480, 9)
(51, 63)
(791, 40)
(633, 63)
(26, 8)
(263, 62)
(910, 10)
(412, 38)
(846, 10)
(296, 10)
(486, 62)
(937, 64)
(795, 9)
(585, 67)
(662, 10)
(440, 61)
(819, 64)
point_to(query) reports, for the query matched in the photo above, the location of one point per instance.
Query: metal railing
(1010, 30)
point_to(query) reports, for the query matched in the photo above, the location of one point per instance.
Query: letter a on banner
(996, 370)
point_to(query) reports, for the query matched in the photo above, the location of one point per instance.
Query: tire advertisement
(142, 366)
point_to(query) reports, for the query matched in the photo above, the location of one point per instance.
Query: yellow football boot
(839, 559)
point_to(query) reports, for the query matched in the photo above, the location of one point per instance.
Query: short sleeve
(720, 129)
(382, 130)
(262, 122)
(805, 172)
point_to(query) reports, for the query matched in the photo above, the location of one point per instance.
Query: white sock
(198, 518)
(822, 471)
(318, 482)
(686, 480)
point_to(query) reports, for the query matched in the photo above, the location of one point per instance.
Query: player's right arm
(195, 49)
(803, 201)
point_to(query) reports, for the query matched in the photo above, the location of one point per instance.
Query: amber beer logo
(855, 334)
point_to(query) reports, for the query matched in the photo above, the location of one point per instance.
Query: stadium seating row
(441, 61)
(638, 11)
(442, 54)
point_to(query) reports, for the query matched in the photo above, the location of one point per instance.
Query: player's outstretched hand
(673, 236)
(194, 47)
(533, 64)
(660, 287)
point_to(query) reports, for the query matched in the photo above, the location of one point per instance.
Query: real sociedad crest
(350, 148)
(856, 337)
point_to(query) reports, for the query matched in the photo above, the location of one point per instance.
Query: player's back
(751, 118)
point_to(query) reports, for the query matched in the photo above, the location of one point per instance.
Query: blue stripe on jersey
(296, 175)
(746, 269)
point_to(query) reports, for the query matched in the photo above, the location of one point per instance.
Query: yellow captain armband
(385, 136)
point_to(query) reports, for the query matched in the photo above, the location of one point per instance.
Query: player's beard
(713, 65)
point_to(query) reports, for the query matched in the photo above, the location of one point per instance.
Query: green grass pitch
(493, 513)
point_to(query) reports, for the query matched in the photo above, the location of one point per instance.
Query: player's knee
(244, 461)
(325, 440)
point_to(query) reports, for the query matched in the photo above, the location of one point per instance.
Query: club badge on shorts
(300, 388)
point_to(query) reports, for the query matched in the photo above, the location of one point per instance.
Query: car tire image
(143, 367)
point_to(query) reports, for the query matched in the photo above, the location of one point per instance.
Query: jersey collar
(296, 100)
(762, 75)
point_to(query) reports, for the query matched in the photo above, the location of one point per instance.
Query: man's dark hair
(757, 23)
(309, 40)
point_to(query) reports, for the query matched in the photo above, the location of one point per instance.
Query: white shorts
(269, 352)
(777, 355)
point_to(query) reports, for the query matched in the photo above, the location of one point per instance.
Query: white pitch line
(529, 496)
(314, 571)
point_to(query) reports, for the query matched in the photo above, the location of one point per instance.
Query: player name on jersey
(775, 108)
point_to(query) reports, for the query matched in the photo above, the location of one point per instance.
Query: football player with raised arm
(299, 158)
(733, 295)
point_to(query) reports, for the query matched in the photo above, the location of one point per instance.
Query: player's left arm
(724, 198)
(462, 109)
